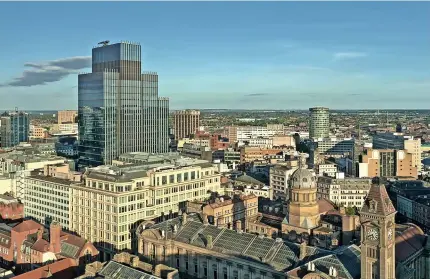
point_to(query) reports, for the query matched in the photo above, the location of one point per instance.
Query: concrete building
(346, 192)
(67, 116)
(326, 169)
(269, 142)
(64, 129)
(108, 126)
(250, 154)
(48, 194)
(112, 199)
(319, 123)
(399, 141)
(16, 165)
(386, 163)
(14, 128)
(185, 123)
(279, 179)
(37, 132)
(231, 213)
(244, 133)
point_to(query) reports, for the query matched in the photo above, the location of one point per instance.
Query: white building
(347, 192)
(279, 178)
(326, 169)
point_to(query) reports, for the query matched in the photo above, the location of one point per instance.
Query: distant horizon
(221, 109)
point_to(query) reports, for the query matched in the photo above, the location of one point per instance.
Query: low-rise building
(10, 209)
(130, 266)
(345, 192)
(232, 213)
(28, 245)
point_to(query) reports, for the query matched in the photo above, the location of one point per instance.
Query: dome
(302, 179)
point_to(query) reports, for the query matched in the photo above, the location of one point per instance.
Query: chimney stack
(209, 243)
(54, 237)
(302, 250)
(184, 218)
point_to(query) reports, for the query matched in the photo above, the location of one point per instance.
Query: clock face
(372, 234)
(390, 234)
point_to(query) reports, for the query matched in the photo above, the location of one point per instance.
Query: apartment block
(345, 192)
(112, 199)
(386, 163)
(270, 142)
(14, 128)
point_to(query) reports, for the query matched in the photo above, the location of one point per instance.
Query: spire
(377, 201)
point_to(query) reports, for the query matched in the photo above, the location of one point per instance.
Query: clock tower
(377, 234)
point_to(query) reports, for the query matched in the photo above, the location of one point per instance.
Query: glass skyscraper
(119, 108)
(14, 128)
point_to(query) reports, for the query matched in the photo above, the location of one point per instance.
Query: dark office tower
(119, 108)
(14, 128)
(399, 128)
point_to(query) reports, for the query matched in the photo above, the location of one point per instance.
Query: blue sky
(250, 55)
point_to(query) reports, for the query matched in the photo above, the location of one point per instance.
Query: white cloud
(348, 55)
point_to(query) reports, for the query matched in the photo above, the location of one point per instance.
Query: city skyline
(281, 55)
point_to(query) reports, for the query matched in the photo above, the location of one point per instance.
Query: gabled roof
(248, 179)
(62, 269)
(377, 201)
(27, 225)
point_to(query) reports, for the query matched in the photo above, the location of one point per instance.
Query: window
(179, 177)
(185, 176)
(172, 178)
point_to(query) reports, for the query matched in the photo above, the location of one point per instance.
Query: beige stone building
(67, 116)
(279, 178)
(345, 192)
(112, 199)
(232, 213)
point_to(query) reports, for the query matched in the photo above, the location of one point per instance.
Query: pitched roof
(27, 225)
(325, 205)
(58, 270)
(409, 240)
(377, 200)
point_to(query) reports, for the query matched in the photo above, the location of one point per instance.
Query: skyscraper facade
(319, 123)
(119, 107)
(186, 122)
(14, 128)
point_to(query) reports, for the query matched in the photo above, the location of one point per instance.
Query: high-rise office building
(186, 122)
(14, 128)
(119, 107)
(319, 123)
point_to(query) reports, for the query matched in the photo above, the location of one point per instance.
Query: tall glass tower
(14, 128)
(119, 109)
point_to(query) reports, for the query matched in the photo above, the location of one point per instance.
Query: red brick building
(10, 209)
(28, 245)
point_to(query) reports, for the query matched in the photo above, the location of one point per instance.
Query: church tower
(377, 234)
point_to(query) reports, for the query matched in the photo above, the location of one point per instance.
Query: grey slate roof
(280, 255)
(115, 270)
